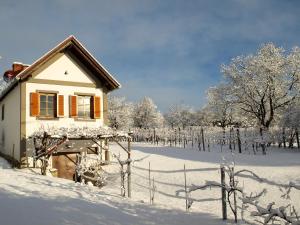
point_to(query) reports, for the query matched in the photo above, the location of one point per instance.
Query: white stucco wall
(33, 124)
(56, 68)
(10, 126)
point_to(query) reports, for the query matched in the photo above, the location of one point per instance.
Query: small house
(67, 86)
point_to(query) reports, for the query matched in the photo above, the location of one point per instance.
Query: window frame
(88, 106)
(54, 105)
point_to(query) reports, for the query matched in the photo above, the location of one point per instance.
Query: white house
(65, 87)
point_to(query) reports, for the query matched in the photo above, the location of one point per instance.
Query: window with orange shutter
(97, 107)
(73, 106)
(47, 105)
(34, 104)
(60, 106)
(84, 107)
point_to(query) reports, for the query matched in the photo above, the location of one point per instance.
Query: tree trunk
(224, 133)
(230, 137)
(291, 140)
(263, 145)
(239, 140)
(283, 137)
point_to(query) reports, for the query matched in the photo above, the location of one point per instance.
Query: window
(2, 112)
(84, 107)
(47, 105)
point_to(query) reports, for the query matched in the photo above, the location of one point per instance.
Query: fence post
(239, 140)
(150, 194)
(129, 169)
(234, 196)
(202, 136)
(185, 189)
(223, 191)
(122, 181)
(297, 138)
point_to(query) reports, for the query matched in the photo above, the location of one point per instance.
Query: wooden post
(208, 144)
(175, 138)
(223, 192)
(150, 195)
(129, 169)
(193, 140)
(283, 137)
(297, 138)
(153, 191)
(185, 189)
(230, 137)
(239, 140)
(234, 197)
(198, 139)
(122, 182)
(202, 136)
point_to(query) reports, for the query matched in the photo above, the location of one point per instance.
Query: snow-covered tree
(289, 122)
(202, 117)
(120, 113)
(146, 114)
(172, 117)
(180, 116)
(220, 105)
(264, 83)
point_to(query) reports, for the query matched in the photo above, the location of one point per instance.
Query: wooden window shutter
(34, 104)
(96, 107)
(60, 106)
(73, 106)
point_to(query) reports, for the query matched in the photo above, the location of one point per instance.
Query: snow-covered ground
(277, 169)
(28, 198)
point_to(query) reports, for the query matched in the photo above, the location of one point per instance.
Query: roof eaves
(110, 76)
(22, 75)
(6, 90)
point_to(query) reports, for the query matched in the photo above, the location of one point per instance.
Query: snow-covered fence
(229, 194)
(203, 138)
(232, 138)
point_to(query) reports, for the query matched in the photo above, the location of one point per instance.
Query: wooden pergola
(47, 145)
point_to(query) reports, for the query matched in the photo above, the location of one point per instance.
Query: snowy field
(277, 169)
(28, 198)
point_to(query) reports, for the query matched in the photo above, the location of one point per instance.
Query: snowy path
(30, 199)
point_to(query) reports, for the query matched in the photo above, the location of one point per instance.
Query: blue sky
(169, 50)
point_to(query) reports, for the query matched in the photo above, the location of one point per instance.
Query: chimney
(17, 67)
